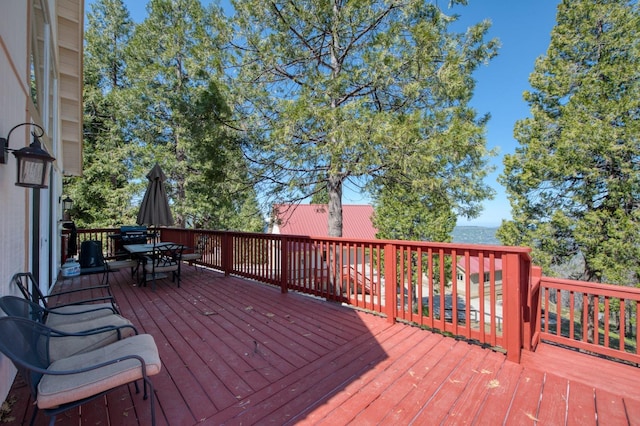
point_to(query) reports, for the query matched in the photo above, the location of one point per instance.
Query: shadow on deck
(238, 352)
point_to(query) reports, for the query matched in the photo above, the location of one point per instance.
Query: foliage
(175, 94)
(371, 92)
(574, 181)
(153, 95)
(102, 196)
(402, 213)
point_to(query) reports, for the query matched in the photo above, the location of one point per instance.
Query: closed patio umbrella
(155, 210)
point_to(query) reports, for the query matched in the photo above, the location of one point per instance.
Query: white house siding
(16, 106)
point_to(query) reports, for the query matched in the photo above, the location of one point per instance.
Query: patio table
(140, 252)
(142, 249)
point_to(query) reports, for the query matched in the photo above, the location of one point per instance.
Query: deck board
(526, 398)
(611, 408)
(499, 396)
(399, 385)
(581, 405)
(239, 352)
(474, 395)
(372, 383)
(438, 407)
(413, 389)
(553, 403)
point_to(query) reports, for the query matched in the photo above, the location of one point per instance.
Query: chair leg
(152, 403)
(35, 413)
(145, 277)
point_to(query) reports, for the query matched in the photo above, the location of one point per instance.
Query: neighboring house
(474, 275)
(312, 220)
(40, 82)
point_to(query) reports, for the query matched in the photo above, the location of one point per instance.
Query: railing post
(532, 335)
(390, 282)
(514, 304)
(284, 265)
(227, 253)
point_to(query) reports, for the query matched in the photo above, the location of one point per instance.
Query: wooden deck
(236, 352)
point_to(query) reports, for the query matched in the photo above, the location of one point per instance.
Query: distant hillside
(475, 235)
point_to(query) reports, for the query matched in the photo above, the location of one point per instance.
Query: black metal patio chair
(57, 386)
(59, 315)
(80, 335)
(93, 261)
(166, 257)
(197, 253)
(31, 291)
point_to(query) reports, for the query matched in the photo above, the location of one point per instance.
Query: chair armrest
(52, 310)
(76, 290)
(97, 366)
(86, 301)
(92, 331)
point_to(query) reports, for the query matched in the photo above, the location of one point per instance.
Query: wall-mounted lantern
(67, 204)
(33, 161)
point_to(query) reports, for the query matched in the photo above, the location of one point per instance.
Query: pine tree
(152, 95)
(102, 196)
(361, 92)
(574, 181)
(182, 114)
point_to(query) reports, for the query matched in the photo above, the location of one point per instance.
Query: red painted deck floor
(237, 353)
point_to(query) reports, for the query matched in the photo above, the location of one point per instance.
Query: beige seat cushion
(62, 347)
(54, 390)
(191, 256)
(120, 264)
(166, 268)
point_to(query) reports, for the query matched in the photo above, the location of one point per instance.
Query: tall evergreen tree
(102, 197)
(574, 181)
(181, 113)
(330, 92)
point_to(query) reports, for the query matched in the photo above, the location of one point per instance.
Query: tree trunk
(334, 188)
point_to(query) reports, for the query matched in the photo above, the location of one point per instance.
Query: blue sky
(524, 29)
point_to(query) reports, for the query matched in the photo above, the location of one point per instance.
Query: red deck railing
(597, 318)
(488, 294)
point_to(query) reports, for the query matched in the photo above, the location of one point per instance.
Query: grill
(134, 234)
(129, 235)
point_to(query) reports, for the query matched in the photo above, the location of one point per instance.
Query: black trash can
(91, 254)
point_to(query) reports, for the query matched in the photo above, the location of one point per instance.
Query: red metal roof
(474, 264)
(311, 219)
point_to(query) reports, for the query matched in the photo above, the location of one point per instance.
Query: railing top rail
(446, 248)
(427, 244)
(601, 289)
(457, 246)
